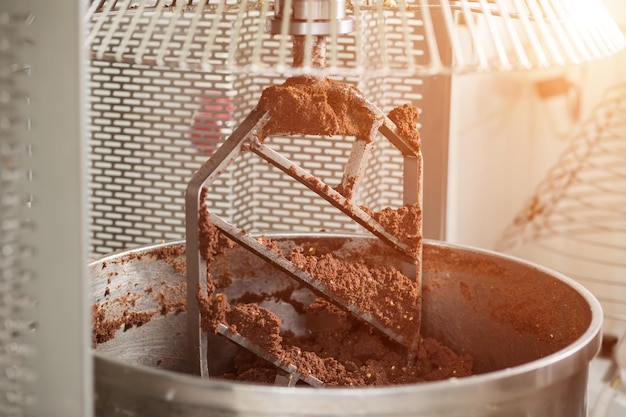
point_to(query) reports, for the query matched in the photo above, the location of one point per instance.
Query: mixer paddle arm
(331, 108)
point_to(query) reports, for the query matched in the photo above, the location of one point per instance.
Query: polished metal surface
(519, 371)
(311, 9)
(313, 17)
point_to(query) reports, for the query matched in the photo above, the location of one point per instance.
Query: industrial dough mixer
(165, 82)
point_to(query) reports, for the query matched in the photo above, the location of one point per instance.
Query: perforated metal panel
(45, 361)
(152, 126)
(16, 306)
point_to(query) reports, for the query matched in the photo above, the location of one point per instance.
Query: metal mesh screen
(151, 127)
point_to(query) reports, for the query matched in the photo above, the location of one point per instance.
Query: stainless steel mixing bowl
(531, 331)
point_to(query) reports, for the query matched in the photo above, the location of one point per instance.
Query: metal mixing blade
(248, 138)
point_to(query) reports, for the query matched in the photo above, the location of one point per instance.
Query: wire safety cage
(454, 36)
